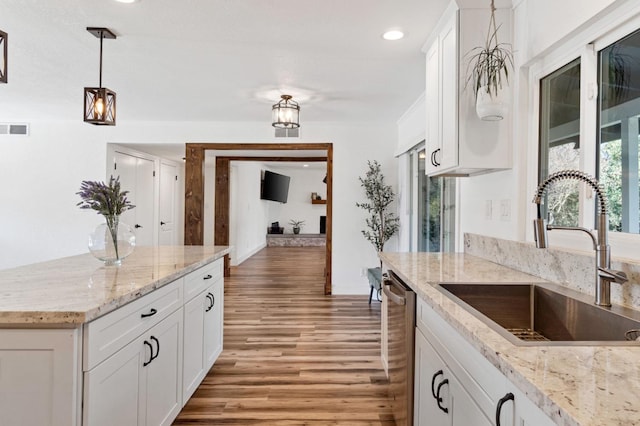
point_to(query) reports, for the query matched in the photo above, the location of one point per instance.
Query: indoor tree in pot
(488, 72)
(382, 223)
(113, 240)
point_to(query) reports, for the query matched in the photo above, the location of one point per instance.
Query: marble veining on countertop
(573, 385)
(78, 289)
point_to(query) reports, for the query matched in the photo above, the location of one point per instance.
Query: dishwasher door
(401, 309)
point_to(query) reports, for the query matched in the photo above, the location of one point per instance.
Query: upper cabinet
(458, 142)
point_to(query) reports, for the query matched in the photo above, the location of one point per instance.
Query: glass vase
(112, 241)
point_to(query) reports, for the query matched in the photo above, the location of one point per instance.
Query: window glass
(560, 140)
(618, 112)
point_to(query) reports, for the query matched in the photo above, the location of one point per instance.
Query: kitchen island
(81, 343)
(571, 385)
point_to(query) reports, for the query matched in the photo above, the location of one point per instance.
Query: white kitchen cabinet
(475, 387)
(39, 368)
(139, 384)
(458, 142)
(203, 324)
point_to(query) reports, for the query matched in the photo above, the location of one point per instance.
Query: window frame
(585, 43)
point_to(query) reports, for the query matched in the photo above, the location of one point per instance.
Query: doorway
(194, 188)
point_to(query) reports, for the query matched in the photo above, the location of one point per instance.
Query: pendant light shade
(3, 57)
(285, 114)
(100, 102)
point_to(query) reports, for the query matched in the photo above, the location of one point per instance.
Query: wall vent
(14, 129)
(287, 133)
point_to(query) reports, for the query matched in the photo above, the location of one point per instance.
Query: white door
(137, 175)
(168, 194)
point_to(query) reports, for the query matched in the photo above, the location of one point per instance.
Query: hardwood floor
(293, 356)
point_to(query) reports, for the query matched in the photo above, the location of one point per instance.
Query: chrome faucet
(604, 274)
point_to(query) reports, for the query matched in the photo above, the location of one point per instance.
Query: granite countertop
(573, 385)
(77, 289)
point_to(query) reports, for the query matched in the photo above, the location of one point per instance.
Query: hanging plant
(489, 67)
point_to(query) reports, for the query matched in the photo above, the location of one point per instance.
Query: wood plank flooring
(293, 356)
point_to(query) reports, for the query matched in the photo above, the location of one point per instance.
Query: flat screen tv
(275, 187)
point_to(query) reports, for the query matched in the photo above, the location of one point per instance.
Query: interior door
(167, 213)
(137, 177)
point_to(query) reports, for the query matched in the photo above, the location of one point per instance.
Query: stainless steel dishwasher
(401, 313)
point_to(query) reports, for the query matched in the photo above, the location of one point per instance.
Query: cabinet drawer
(108, 334)
(197, 281)
(481, 379)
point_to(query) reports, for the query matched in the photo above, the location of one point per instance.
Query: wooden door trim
(194, 190)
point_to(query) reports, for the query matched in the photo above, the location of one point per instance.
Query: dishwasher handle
(398, 300)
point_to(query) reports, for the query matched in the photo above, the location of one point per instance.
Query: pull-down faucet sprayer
(604, 274)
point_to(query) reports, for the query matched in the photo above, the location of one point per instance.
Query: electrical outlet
(505, 210)
(488, 210)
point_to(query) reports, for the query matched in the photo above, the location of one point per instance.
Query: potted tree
(382, 223)
(488, 73)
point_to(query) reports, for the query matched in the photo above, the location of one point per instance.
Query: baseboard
(241, 259)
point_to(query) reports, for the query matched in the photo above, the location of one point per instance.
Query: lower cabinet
(203, 317)
(455, 385)
(139, 384)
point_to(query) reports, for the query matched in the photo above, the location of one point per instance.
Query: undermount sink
(545, 314)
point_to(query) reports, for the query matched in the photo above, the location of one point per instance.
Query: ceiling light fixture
(3, 57)
(127, 1)
(100, 102)
(393, 35)
(286, 113)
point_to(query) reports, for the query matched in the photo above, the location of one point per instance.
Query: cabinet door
(526, 412)
(193, 355)
(162, 388)
(39, 372)
(430, 373)
(464, 411)
(111, 388)
(432, 99)
(213, 325)
(449, 94)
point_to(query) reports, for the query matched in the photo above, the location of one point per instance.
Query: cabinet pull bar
(207, 277)
(144, 364)
(439, 399)
(433, 383)
(151, 313)
(209, 297)
(507, 397)
(157, 350)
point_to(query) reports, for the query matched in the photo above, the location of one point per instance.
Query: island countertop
(573, 385)
(77, 289)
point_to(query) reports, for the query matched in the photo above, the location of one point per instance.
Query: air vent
(287, 133)
(14, 129)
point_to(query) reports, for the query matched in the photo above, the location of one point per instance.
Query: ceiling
(217, 60)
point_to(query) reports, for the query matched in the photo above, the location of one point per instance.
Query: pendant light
(3, 57)
(286, 113)
(100, 102)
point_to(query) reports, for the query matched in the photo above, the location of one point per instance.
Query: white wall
(247, 212)
(41, 173)
(298, 206)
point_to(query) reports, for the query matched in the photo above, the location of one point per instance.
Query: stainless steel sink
(545, 314)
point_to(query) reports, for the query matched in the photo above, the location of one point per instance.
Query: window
(589, 120)
(618, 112)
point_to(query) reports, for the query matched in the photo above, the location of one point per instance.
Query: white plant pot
(492, 106)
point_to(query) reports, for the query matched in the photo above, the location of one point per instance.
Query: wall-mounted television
(275, 187)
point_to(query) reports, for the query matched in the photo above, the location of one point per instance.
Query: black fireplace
(323, 224)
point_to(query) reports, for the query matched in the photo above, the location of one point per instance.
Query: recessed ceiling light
(127, 1)
(393, 35)
(305, 165)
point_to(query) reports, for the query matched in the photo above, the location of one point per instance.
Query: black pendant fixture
(100, 102)
(3, 57)
(286, 113)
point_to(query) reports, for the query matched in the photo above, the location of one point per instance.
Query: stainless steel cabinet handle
(398, 300)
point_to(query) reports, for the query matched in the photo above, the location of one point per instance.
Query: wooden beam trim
(281, 159)
(259, 146)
